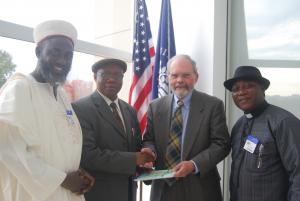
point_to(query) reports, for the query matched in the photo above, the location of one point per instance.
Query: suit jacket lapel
(193, 123)
(127, 120)
(164, 119)
(105, 111)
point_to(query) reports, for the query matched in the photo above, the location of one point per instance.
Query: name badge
(251, 144)
(69, 115)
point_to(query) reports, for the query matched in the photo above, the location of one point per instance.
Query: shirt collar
(186, 100)
(107, 100)
(258, 110)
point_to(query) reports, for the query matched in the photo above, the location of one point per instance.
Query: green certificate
(155, 174)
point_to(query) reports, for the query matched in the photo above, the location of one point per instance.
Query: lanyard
(246, 131)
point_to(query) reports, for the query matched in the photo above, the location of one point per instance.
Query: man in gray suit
(111, 136)
(203, 139)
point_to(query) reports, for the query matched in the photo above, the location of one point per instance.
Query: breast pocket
(263, 159)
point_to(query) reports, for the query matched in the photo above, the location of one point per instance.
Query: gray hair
(184, 56)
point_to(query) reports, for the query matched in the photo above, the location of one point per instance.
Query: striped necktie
(116, 115)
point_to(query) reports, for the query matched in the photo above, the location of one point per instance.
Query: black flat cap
(247, 73)
(104, 63)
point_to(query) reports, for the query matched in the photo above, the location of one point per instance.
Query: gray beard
(53, 80)
(48, 76)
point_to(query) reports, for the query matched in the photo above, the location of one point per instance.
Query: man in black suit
(265, 143)
(111, 136)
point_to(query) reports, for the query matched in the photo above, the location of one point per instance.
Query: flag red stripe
(143, 123)
(132, 87)
(143, 94)
(139, 83)
(151, 51)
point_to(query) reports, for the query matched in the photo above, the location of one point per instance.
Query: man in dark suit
(265, 143)
(203, 138)
(111, 136)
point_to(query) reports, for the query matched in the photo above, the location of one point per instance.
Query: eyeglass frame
(107, 75)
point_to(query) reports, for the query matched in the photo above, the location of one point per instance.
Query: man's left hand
(184, 168)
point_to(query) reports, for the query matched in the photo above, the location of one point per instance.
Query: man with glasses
(111, 136)
(187, 131)
(265, 143)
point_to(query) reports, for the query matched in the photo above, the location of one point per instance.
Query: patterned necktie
(173, 156)
(116, 115)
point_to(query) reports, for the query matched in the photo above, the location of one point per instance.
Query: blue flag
(165, 50)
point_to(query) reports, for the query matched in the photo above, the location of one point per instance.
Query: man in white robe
(40, 136)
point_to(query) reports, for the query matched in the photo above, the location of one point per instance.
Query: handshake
(144, 157)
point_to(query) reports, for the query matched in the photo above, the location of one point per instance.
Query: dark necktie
(173, 153)
(116, 115)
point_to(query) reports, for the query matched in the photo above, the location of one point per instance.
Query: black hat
(108, 62)
(247, 73)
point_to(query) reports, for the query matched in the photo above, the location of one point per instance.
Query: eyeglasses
(106, 75)
(173, 76)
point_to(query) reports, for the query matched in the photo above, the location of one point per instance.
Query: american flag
(143, 59)
(165, 50)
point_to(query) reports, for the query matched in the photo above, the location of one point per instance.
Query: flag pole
(134, 30)
(141, 191)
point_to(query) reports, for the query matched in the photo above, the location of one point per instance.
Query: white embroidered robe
(39, 142)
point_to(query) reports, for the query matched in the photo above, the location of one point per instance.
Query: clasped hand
(145, 156)
(78, 182)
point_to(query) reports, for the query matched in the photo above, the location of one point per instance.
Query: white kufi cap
(51, 28)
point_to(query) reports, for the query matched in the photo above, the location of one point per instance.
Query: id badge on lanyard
(251, 143)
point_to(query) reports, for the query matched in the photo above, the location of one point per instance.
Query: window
(273, 29)
(266, 34)
(31, 12)
(284, 90)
